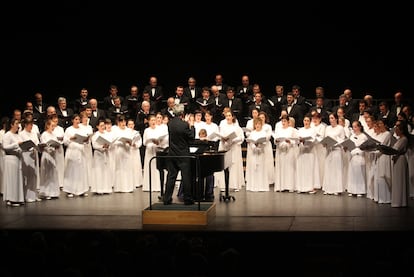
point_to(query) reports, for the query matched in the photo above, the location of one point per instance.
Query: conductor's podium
(179, 214)
(200, 213)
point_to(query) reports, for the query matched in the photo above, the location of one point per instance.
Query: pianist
(203, 145)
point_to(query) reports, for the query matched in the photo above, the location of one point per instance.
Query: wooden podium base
(179, 214)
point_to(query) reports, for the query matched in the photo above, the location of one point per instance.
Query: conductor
(181, 133)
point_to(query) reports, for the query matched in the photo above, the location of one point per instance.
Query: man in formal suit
(321, 109)
(80, 103)
(351, 104)
(294, 110)
(234, 103)
(360, 115)
(108, 101)
(180, 98)
(320, 93)
(398, 103)
(300, 100)
(96, 113)
(205, 102)
(244, 91)
(192, 92)
(219, 99)
(169, 110)
(156, 93)
(388, 116)
(219, 83)
(117, 109)
(142, 122)
(64, 113)
(276, 102)
(260, 104)
(133, 100)
(181, 134)
(39, 109)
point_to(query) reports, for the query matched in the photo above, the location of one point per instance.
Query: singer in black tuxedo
(181, 134)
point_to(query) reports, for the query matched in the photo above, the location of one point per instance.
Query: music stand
(226, 196)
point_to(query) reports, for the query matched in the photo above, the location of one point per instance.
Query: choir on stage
(282, 143)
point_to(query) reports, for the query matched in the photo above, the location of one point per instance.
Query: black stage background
(59, 48)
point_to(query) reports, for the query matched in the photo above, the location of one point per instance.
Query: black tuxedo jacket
(79, 104)
(185, 100)
(245, 96)
(65, 121)
(297, 113)
(158, 96)
(324, 113)
(192, 106)
(107, 102)
(93, 121)
(180, 137)
(167, 112)
(236, 106)
(262, 107)
(113, 113)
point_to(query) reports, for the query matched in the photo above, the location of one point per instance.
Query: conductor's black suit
(180, 136)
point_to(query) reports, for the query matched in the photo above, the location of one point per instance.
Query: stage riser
(179, 217)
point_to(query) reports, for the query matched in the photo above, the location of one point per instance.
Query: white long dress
(410, 161)
(2, 154)
(399, 196)
(88, 130)
(123, 163)
(357, 172)
(383, 171)
(270, 159)
(59, 132)
(30, 166)
(101, 171)
(12, 177)
(136, 159)
(370, 165)
(111, 135)
(75, 179)
(285, 159)
(150, 151)
(256, 166)
(49, 171)
(334, 163)
(320, 150)
(307, 166)
(233, 159)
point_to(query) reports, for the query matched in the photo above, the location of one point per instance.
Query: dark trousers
(209, 187)
(226, 179)
(173, 166)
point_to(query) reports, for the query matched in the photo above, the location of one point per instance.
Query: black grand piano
(207, 160)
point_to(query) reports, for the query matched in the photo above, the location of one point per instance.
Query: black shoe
(167, 201)
(188, 202)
